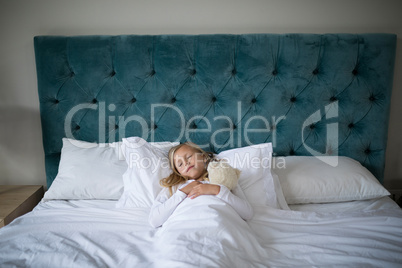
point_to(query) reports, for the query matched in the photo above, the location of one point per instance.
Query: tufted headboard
(308, 94)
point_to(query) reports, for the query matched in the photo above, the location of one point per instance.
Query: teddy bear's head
(220, 172)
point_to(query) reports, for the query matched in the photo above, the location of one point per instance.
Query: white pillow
(88, 171)
(147, 165)
(141, 180)
(307, 179)
(260, 187)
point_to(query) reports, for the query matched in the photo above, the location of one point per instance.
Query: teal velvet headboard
(309, 94)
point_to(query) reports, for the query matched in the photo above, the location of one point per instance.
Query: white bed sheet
(55, 204)
(77, 234)
(360, 205)
(351, 239)
(206, 234)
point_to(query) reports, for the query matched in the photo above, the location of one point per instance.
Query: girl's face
(189, 162)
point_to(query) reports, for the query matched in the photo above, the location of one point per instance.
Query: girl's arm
(164, 205)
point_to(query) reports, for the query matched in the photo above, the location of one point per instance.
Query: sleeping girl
(188, 181)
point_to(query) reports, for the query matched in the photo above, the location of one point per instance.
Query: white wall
(21, 153)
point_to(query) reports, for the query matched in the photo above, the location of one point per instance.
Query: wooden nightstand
(16, 200)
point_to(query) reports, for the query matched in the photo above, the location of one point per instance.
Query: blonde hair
(175, 179)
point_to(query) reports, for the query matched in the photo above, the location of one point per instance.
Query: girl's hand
(204, 189)
(187, 189)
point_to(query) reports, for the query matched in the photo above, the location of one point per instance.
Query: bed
(303, 116)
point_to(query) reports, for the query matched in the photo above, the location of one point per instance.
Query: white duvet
(353, 239)
(207, 232)
(203, 232)
(77, 237)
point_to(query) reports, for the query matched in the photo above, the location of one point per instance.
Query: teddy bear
(220, 172)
